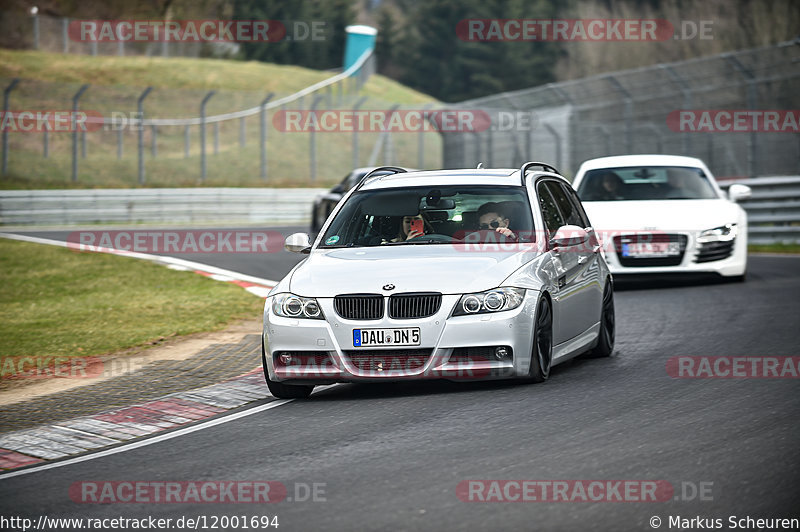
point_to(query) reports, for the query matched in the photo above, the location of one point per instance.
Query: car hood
(421, 268)
(611, 217)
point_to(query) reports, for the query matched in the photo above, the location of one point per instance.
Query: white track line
(149, 441)
(154, 258)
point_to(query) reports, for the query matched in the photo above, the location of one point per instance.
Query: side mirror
(738, 192)
(568, 236)
(297, 243)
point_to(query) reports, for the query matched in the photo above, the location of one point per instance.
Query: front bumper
(456, 348)
(726, 259)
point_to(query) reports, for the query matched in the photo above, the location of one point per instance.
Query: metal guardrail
(157, 205)
(773, 211)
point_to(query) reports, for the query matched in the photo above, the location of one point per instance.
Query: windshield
(431, 215)
(645, 183)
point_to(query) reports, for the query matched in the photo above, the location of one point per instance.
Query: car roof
(496, 176)
(617, 161)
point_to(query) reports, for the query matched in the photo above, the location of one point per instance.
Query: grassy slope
(61, 302)
(50, 80)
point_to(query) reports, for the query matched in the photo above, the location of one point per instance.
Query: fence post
(203, 134)
(83, 144)
(75, 132)
(121, 47)
(312, 148)
(35, 16)
(186, 141)
(242, 133)
(140, 132)
(550, 129)
(46, 140)
(65, 35)
(6, 94)
(119, 142)
(686, 91)
(216, 138)
(752, 103)
(154, 141)
(358, 104)
(421, 139)
(262, 144)
(628, 118)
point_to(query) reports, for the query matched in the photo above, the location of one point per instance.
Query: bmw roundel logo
(388, 287)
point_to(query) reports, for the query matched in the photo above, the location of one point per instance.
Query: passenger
(405, 232)
(611, 187)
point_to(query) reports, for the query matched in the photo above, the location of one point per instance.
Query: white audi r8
(454, 274)
(663, 214)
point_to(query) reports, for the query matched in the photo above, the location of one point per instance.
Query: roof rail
(371, 173)
(546, 167)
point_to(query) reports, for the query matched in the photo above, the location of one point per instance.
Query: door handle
(582, 259)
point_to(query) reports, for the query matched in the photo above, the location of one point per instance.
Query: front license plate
(373, 337)
(651, 249)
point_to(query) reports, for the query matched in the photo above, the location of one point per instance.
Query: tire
(279, 389)
(605, 340)
(542, 352)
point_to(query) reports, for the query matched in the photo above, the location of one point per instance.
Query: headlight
(496, 300)
(292, 306)
(724, 233)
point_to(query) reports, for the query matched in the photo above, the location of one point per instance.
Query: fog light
(285, 359)
(500, 353)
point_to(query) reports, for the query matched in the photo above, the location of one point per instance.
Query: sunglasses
(493, 225)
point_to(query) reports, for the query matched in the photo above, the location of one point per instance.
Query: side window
(552, 218)
(576, 204)
(567, 208)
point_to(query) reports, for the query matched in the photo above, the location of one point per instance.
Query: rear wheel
(605, 340)
(279, 389)
(542, 352)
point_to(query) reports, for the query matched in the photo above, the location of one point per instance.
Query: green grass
(50, 80)
(58, 302)
(774, 248)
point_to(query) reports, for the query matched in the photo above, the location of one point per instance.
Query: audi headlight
(292, 306)
(723, 233)
(495, 300)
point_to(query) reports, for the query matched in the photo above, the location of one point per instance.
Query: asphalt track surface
(390, 456)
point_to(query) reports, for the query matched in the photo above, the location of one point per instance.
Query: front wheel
(279, 389)
(605, 340)
(542, 353)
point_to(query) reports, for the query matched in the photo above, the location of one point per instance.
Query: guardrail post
(6, 93)
(262, 144)
(358, 104)
(203, 134)
(75, 132)
(312, 148)
(140, 131)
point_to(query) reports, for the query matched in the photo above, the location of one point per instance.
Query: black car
(325, 203)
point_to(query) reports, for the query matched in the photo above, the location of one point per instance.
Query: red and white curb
(58, 440)
(255, 285)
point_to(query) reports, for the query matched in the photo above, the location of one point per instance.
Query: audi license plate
(378, 337)
(651, 249)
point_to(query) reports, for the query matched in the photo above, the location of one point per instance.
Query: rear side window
(577, 206)
(569, 213)
(552, 217)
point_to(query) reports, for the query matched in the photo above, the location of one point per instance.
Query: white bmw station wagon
(447, 274)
